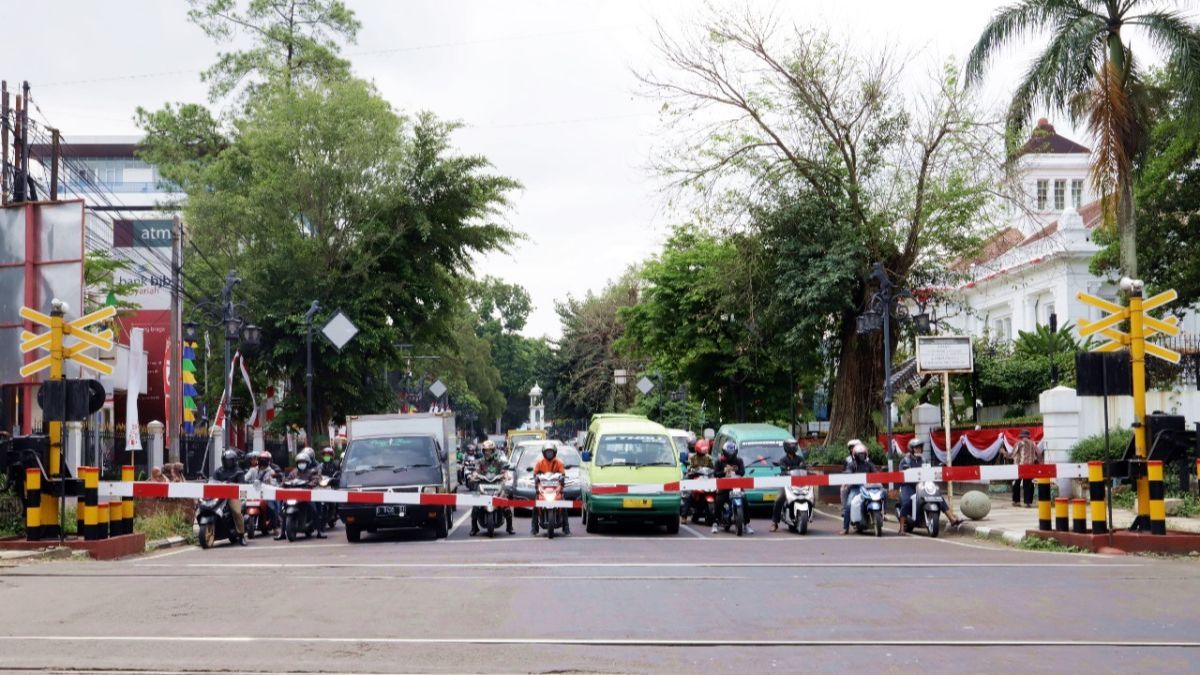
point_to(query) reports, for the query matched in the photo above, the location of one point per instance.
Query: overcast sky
(546, 90)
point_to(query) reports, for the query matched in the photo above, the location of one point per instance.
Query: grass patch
(166, 523)
(1039, 544)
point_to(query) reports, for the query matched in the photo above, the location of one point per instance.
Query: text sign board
(945, 354)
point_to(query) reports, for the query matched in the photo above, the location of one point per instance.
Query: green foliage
(1040, 544)
(587, 357)
(167, 522)
(1042, 341)
(292, 41)
(1011, 375)
(836, 452)
(1091, 449)
(99, 281)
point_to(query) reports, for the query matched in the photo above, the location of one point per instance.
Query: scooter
(701, 504)
(798, 509)
(257, 516)
(215, 521)
(490, 517)
(866, 508)
(733, 515)
(297, 517)
(549, 488)
(926, 509)
(329, 510)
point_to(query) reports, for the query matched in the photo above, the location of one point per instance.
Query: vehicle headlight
(429, 488)
(929, 488)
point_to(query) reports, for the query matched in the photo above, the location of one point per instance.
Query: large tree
(1088, 72)
(587, 356)
(765, 115)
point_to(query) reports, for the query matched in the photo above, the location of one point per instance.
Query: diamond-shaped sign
(339, 330)
(437, 388)
(644, 385)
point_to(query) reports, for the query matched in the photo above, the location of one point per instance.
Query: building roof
(1092, 214)
(1045, 141)
(997, 245)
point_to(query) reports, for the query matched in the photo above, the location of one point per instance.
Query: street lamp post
(878, 316)
(308, 367)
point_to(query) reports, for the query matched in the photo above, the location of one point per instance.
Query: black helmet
(791, 447)
(729, 449)
(915, 444)
(229, 459)
(550, 451)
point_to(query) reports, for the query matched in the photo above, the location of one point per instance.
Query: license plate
(389, 511)
(803, 506)
(636, 503)
(770, 496)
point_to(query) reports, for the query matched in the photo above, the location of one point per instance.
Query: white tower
(537, 410)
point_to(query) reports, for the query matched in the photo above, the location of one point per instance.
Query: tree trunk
(1127, 230)
(858, 387)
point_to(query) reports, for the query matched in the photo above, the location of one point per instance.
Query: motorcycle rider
(700, 458)
(490, 463)
(330, 467)
(308, 471)
(912, 460)
(791, 460)
(728, 466)
(857, 462)
(549, 463)
(230, 473)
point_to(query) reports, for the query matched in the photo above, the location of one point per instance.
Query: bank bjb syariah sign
(145, 245)
(945, 354)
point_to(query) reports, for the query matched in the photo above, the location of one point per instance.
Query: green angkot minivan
(761, 447)
(629, 450)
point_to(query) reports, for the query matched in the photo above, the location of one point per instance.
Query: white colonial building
(1038, 263)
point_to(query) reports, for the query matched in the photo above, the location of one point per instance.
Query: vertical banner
(167, 386)
(137, 361)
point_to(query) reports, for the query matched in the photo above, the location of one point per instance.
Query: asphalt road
(629, 600)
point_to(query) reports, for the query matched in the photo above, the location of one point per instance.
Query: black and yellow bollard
(127, 475)
(102, 520)
(1079, 516)
(91, 502)
(116, 519)
(1044, 503)
(33, 504)
(1061, 522)
(1096, 487)
(1158, 508)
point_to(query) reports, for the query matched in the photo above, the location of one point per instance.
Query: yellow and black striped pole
(91, 502)
(33, 504)
(1096, 491)
(1079, 516)
(1061, 522)
(102, 525)
(1044, 504)
(1158, 508)
(116, 519)
(127, 476)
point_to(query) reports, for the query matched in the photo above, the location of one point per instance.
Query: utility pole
(231, 280)
(174, 429)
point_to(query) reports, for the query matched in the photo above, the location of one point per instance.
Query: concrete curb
(989, 532)
(169, 542)
(56, 553)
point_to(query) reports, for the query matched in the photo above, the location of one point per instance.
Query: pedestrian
(1024, 452)
(177, 473)
(156, 475)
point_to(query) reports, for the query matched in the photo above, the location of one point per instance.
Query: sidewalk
(1008, 524)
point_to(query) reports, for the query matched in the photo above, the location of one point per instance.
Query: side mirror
(529, 469)
(585, 456)
(510, 466)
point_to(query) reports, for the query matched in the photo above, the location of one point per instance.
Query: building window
(1049, 311)
(1042, 187)
(1060, 195)
(1077, 193)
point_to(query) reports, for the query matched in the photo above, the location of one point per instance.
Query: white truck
(403, 452)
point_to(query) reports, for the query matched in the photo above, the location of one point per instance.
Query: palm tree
(1087, 71)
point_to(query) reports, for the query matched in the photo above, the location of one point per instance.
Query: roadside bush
(163, 524)
(836, 452)
(11, 515)
(1091, 449)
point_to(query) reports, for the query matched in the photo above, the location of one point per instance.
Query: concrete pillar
(1060, 419)
(926, 418)
(216, 445)
(73, 447)
(155, 457)
(260, 442)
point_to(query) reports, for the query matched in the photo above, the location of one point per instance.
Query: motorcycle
(466, 469)
(701, 504)
(216, 522)
(549, 487)
(297, 517)
(926, 511)
(798, 508)
(328, 510)
(490, 517)
(258, 517)
(733, 514)
(866, 508)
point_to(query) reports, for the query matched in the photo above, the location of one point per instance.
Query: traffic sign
(339, 330)
(645, 386)
(59, 329)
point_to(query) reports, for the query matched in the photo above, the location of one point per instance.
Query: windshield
(568, 456)
(635, 450)
(761, 453)
(681, 443)
(397, 452)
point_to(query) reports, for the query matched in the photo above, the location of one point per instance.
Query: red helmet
(702, 446)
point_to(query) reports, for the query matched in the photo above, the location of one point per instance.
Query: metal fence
(1185, 374)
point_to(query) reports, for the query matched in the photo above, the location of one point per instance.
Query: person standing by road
(791, 461)
(1024, 452)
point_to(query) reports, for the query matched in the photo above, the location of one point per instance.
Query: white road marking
(692, 531)
(614, 642)
(457, 524)
(646, 565)
(182, 549)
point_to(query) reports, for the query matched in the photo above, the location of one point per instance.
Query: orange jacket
(553, 466)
